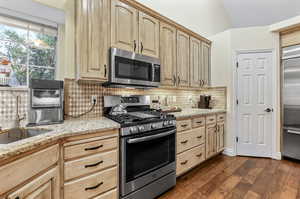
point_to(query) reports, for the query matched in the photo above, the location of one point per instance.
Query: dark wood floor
(238, 178)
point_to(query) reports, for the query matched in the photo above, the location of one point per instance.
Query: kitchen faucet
(16, 124)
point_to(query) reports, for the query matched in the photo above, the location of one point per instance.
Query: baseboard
(229, 152)
(277, 156)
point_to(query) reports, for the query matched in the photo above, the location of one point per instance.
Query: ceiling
(245, 13)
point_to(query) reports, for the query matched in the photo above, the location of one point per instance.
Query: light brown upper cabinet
(148, 35)
(133, 30)
(124, 26)
(206, 64)
(183, 59)
(92, 43)
(196, 80)
(290, 37)
(168, 55)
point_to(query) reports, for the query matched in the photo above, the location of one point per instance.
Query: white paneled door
(255, 112)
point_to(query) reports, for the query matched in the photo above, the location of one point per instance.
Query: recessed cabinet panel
(196, 80)
(206, 64)
(148, 35)
(92, 29)
(168, 55)
(183, 59)
(124, 26)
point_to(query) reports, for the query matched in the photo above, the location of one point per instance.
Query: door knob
(268, 110)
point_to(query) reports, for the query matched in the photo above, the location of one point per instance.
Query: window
(27, 50)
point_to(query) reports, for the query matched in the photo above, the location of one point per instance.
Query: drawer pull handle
(199, 155)
(94, 187)
(200, 122)
(93, 165)
(211, 120)
(221, 118)
(184, 142)
(185, 162)
(94, 148)
(199, 137)
(184, 125)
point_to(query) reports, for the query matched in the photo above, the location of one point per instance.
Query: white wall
(205, 17)
(224, 46)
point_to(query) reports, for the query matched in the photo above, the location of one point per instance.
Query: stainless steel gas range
(147, 146)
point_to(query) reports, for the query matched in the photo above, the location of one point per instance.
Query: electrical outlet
(94, 99)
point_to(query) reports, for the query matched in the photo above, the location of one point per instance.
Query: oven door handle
(148, 138)
(293, 132)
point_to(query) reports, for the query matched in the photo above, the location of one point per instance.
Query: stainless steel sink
(20, 134)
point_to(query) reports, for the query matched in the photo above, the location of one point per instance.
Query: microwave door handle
(293, 132)
(149, 138)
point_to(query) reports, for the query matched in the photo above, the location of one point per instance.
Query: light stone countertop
(193, 112)
(58, 131)
(79, 127)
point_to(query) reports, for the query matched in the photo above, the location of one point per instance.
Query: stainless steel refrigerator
(291, 102)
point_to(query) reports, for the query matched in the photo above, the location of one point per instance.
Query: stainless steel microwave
(132, 69)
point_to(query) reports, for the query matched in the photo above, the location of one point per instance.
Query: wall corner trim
(229, 152)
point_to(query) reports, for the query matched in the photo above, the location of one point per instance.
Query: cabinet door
(124, 26)
(92, 38)
(148, 35)
(195, 63)
(44, 187)
(183, 59)
(220, 136)
(206, 64)
(168, 54)
(211, 141)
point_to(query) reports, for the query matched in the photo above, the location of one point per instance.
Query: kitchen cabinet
(92, 39)
(220, 136)
(124, 26)
(211, 140)
(148, 35)
(206, 64)
(196, 76)
(44, 187)
(183, 59)
(134, 31)
(90, 165)
(168, 55)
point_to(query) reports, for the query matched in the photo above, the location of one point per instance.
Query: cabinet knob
(134, 45)
(142, 47)
(105, 70)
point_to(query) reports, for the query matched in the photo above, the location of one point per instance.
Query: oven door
(134, 69)
(146, 158)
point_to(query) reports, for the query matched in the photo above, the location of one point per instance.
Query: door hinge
(237, 139)
(237, 64)
(237, 102)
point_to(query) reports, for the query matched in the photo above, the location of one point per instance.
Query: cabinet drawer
(190, 139)
(211, 119)
(109, 195)
(90, 164)
(190, 159)
(89, 148)
(92, 185)
(197, 122)
(27, 167)
(221, 117)
(183, 125)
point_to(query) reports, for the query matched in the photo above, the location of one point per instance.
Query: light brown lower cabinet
(199, 139)
(45, 186)
(80, 167)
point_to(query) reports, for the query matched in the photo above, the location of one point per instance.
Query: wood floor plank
(239, 178)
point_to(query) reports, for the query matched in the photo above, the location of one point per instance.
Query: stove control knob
(153, 126)
(133, 129)
(141, 128)
(166, 123)
(171, 122)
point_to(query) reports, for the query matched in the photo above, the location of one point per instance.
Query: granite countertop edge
(57, 132)
(189, 113)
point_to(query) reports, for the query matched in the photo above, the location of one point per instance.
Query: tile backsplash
(78, 99)
(8, 104)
